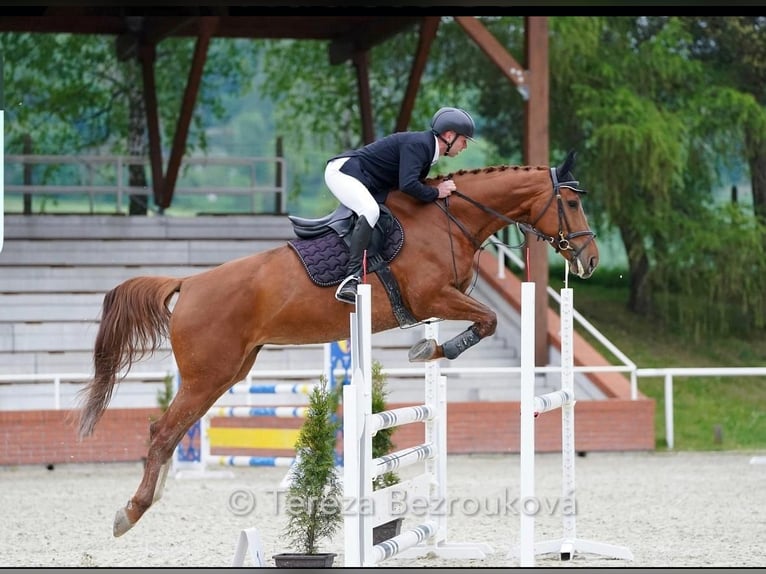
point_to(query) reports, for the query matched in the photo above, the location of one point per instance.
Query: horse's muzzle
(583, 269)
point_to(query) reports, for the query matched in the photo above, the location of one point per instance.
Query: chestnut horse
(223, 316)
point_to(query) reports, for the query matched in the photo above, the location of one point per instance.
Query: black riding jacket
(398, 161)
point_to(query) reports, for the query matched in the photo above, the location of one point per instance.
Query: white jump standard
(532, 406)
(372, 508)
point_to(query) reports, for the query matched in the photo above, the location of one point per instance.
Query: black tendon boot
(360, 239)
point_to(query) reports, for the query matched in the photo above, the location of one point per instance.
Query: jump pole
(531, 406)
(190, 461)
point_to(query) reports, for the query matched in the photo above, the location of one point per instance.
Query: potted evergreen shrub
(314, 502)
(382, 445)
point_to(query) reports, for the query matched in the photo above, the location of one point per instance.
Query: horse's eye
(573, 203)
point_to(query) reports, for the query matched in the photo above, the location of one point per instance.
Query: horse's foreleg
(430, 350)
(461, 308)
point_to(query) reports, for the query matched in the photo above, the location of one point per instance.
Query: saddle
(323, 248)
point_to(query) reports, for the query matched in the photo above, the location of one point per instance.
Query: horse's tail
(134, 322)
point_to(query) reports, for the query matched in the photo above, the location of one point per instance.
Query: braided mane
(486, 170)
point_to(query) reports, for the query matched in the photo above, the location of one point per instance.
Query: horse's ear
(568, 165)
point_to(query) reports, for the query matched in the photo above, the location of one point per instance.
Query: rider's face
(460, 144)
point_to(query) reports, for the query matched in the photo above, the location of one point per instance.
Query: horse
(222, 317)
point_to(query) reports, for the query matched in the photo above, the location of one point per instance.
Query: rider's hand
(446, 188)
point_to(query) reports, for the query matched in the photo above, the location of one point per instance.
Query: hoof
(121, 523)
(423, 350)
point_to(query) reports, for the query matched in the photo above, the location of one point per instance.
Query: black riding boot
(360, 239)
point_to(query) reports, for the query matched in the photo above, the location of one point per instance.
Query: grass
(709, 413)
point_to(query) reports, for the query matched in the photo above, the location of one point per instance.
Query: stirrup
(346, 291)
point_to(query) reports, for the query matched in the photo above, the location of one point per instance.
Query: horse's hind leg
(164, 434)
(194, 399)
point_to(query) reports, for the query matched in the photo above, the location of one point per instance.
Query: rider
(362, 178)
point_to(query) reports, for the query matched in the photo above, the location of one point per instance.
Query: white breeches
(351, 192)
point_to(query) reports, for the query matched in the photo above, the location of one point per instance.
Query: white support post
(569, 544)
(352, 525)
(527, 426)
(357, 442)
(249, 539)
(434, 434)
(669, 438)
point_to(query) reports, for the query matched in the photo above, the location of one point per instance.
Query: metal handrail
(121, 186)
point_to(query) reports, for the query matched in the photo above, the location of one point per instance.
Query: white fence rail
(669, 373)
(109, 175)
(56, 379)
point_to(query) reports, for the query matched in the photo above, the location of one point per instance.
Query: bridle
(565, 234)
(562, 242)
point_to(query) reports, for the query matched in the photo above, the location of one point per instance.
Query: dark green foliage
(314, 498)
(712, 285)
(165, 394)
(381, 442)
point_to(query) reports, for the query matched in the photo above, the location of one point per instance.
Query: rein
(562, 243)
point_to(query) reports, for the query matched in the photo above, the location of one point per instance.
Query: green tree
(644, 111)
(735, 48)
(314, 496)
(71, 94)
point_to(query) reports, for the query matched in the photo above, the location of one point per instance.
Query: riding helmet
(455, 119)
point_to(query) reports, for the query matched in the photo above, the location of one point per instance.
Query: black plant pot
(320, 560)
(387, 530)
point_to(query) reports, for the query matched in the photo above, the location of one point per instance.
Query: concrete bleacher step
(147, 227)
(79, 279)
(52, 362)
(37, 396)
(38, 307)
(112, 252)
(80, 360)
(25, 337)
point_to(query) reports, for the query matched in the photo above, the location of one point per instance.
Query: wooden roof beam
(147, 56)
(496, 52)
(151, 31)
(68, 23)
(207, 28)
(366, 37)
(428, 28)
